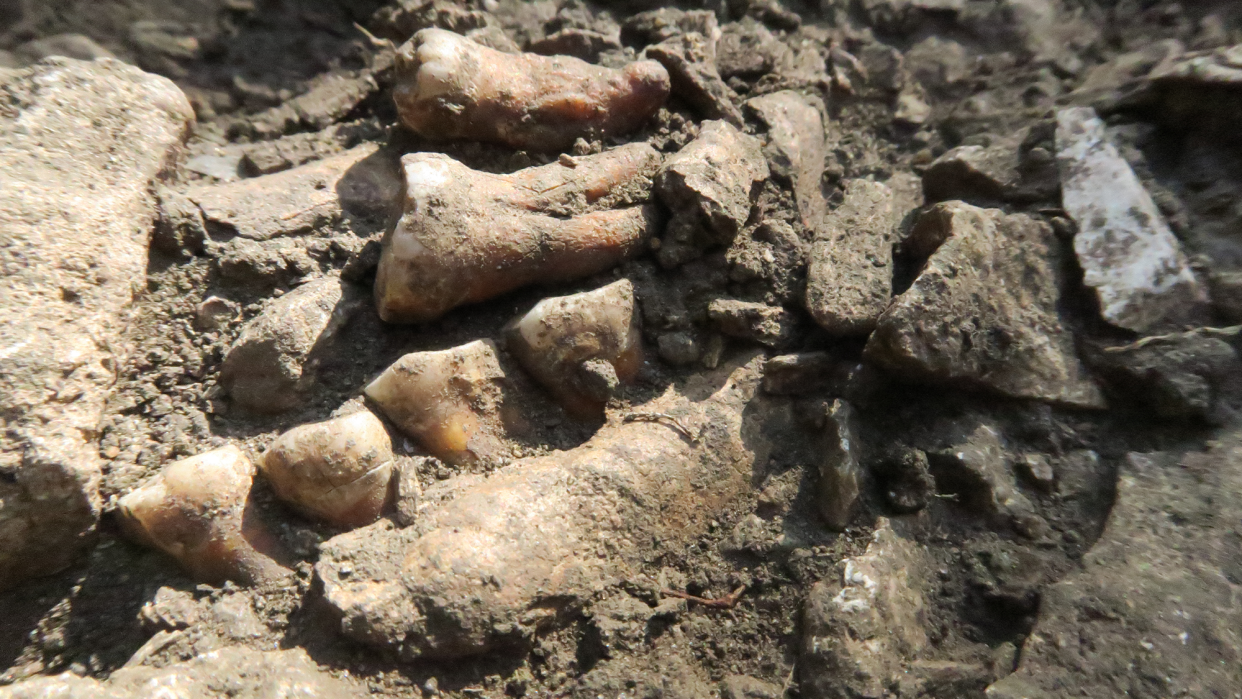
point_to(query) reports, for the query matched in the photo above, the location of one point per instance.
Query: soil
(239, 61)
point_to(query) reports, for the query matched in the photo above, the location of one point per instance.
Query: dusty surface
(981, 452)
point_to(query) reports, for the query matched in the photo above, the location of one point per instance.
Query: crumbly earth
(280, 83)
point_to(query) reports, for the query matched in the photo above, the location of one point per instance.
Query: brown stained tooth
(338, 470)
(198, 510)
(581, 346)
(467, 236)
(449, 87)
(451, 401)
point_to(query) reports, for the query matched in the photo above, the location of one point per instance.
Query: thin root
(729, 601)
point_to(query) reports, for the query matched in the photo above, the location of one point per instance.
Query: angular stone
(983, 311)
(236, 673)
(977, 473)
(797, 147)
(80, 144)
(1153, 609)
(768, 325)
(839, 469)
(1127, 252)
(687, 49)
(850, 276)
(273, 363)
(860, 633)
(310, 196)
(519, 552)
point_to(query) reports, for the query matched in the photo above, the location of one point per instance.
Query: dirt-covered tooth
(580, 346)
(198, 510)
(338, 470)
(449, 87)
(451, 401)
(467, 236)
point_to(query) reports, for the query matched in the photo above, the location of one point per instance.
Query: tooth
(449, 87)
(467, 236)
(450, 401)
(559, 337)
(198, 510)
(337, 470)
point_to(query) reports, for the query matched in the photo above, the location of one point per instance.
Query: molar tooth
(451, 401)
(559, 337)
(449, 87)
(198, 510)
(338, 470)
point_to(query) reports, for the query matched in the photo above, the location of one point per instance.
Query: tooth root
(198, 510)
(450, 401)
(337, 470)
(449, 87)
(467, 236)
(559, 336)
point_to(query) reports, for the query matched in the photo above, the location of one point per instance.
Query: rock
(1154, 606)
(694, 77)
(560, 336)
(1178, 376)
(338, 470)
(330, 98)
(68, 272)
(860, 634)
(518, 552)
(451, 401)
(770, 258)
(400, 20)
(198, 510)
(983, 311)
(768, 325)
(796, 148)
(904, 477)
(235, 673)
(1226, 288)
(466, 236)
(179, 228)
(215, 313)
(656, 26)
(710, 186)
(169, 610)
(1037, 470)
(678, 348)
(978, 475)
(320, 194)
(938, 63)
(1200, 91)
(850, 275)
(807, 372)
(274, 362)
(580, 43)
(839, 469)
(449, 87)
(974, 173)
(743, 687)
(1125, 248)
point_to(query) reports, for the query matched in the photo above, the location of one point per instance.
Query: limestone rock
(768, 325)
(522, 550)
(273, 363)
(688, 52)
(80, 145)
(228, 673)
(850, 276)
(1154, 606)
(983, 311)
(797, 147)
(364, 180)
(1127, 252)
(839, 469)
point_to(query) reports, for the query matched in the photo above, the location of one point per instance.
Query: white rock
(1127, 251)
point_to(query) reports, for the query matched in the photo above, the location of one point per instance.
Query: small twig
(376, 42)
(671, 420)
(729, 601)
(1231, 331)
(789, 680)
(945, 496)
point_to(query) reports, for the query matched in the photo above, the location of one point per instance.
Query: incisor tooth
(449, 87)
(466, 236)
(198, 510)
(337, 470)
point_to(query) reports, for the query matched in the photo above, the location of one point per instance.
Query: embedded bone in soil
(451, 401)
(512, 555)
(449, 87)
(337, 470)
(466, 236)
(563, 340)
(198, 510)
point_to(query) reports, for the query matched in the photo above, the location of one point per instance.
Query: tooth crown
(449, 87)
